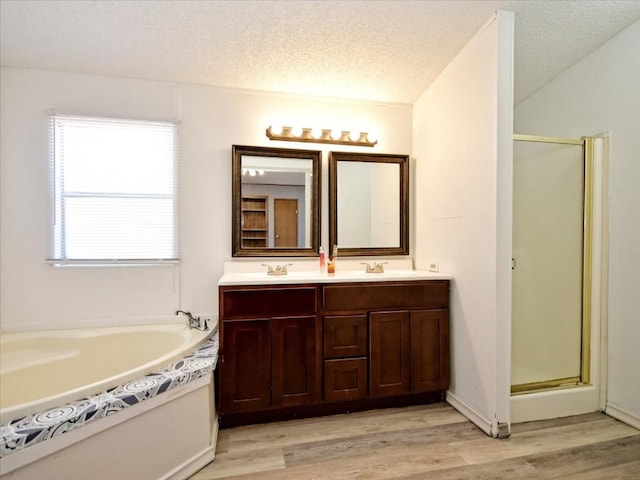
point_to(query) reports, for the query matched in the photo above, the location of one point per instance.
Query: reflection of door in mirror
(285, 225)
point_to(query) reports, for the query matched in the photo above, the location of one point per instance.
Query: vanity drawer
(385, 296)
(260, 301)
(345, 379)
(346, 336)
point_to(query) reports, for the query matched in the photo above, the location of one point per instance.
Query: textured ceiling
(387, 51)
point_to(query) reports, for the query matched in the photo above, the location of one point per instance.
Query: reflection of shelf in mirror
(254, 224)
(254, 221)
(254, 243)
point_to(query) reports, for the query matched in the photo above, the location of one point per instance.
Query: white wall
(462, 148)
(211, 120)
(602, 93)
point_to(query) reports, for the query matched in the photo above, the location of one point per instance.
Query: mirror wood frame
(238, 151)
(403, 162)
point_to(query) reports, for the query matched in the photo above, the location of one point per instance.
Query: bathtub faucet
(195, 322)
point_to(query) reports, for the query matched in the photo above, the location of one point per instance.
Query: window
(114, 191)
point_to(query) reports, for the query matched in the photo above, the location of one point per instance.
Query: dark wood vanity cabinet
(408, 333)
(268, 344)
(304, 350)
(409, 352)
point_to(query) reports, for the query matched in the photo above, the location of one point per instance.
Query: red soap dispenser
(323, 260)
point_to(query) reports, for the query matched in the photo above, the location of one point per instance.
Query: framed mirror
(369, 203)
(275, 199)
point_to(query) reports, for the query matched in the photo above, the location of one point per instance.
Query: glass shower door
(548, 253)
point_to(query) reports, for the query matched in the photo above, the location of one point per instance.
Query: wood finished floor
(426, 442)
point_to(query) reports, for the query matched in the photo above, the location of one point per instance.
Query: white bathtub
(45, 369)
(85, 391)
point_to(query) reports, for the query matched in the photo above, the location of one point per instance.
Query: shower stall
(552, 275)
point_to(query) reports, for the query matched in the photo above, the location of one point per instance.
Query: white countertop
(347, 270)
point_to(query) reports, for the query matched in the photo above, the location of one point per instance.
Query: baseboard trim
(472, 415)
(622, 415)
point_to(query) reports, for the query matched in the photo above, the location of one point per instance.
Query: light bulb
(336, 134)
(276, 129)
(252, 172)
(316, 132)
(354, 136)
(372, 137)
(296, 130)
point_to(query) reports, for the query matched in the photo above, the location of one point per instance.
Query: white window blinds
(114, 185)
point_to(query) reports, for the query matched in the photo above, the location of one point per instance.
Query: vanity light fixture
(316, 135)
(252, 172)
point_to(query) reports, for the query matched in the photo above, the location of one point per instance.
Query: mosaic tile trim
(39, 427)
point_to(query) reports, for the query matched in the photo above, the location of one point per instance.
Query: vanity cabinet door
(389, 353)
(245, 367)
(429, 331)
(409, 352)
(294, 361)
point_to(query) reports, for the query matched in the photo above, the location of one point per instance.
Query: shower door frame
(587, 267)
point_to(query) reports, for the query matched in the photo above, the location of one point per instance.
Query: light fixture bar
(342, 137)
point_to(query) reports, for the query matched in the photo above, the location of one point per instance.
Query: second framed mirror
(369, 203)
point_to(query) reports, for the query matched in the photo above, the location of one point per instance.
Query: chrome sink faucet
(376, 268)
(278, 269)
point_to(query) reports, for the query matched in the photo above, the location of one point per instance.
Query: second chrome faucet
(375, 268)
